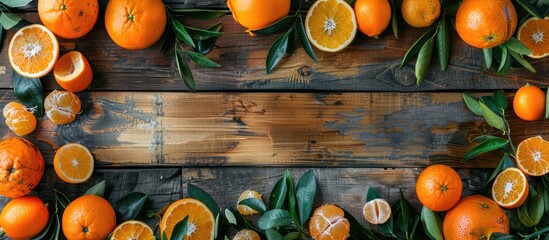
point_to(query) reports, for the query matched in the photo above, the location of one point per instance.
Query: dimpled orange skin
(88, 217)
(24, 217)
(439, 187)
(486, 23)
(529, 103)
(21, 167)
(135, 24)
(68, 18)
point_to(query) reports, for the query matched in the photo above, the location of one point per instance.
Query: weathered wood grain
(275, 129)
(367, 65)
(346, 187)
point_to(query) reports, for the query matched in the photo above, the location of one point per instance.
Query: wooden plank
(275, 129)
(346, 187)
(367, 65)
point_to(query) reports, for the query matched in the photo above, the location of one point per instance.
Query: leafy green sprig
(8, 19)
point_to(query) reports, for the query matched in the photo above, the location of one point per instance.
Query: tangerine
(200, 223)
(73, 72)
(73, 163)
(246, 234)
(21, 167)
(329, 222)
(420, 13)
(19, 119)
(439, 187)
(132, 230)
(68, 18)
(245, 210)
(331, 25)
(258, 14)
(24, 217)
(372, 16)
(534, 33)
(377, 211)
(510, 188)
(88, 217)
(62, 107)
(532, 156)
(529, 103)
(33, 51)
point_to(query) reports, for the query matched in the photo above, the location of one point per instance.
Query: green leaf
(505, 163)
(16, 3)
(1, 41)
(305, 41)
(184, 71)
(500, 100)
(424, 59)
(443, 44)
(502, 236)
(202, 60)
(201, 13)
(306, 190)
(522, 61)
(216, 226)
(180, 229)
(201, 195)
(406, 210)
(517, 46)
(61, 199)
(202, 34)
(394, 19)
(492, 118)
(29, 92)
(230, 216)
(432, 225)
(97, 189)
(473, 104)
(272, 234)
(357, 231)
(292, 236)
(9, 20)
(417, 46)
(488, 57)
(292, 41)
(164, 236)
(274, 218)
(505, 63)
(242, 222)
(255, 204)
(207, 45)
(490, 103)
(278, 194)
(277, 26)
(531, 212)
(167, 38)
(55, 235)
(530, 8)
(486, 146)
(372, 194)
(276, 52)
(291, 197)
(129, 206)
(181, 33)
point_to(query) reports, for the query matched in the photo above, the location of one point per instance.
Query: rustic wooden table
(354, 117)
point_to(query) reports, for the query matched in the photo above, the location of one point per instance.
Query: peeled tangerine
(377, 211)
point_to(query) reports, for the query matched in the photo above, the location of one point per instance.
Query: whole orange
(24, 217)
(135, 24)
(439, 187)
(486, 23)
(474, 217)
(420, 13)
(21, 167)
(529, 103)
(68, 18)
(88, 217)
(372, 16)
(258, 14)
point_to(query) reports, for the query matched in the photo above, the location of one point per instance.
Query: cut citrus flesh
(331, 25)
(33, 51)
(328, 222)
(533, 156)
(510, 188)
(132, 230)
(73, 72)
(62, 107)
(200, 223)
(19, 119)
(246, 234)
(243, 209)
(73, 163)
(534, 33)
(377, 211)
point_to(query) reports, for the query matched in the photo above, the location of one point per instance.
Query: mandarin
(246, 234)
(19, 119)
(21, 167)
(372, 16)
(329, 222)
(245, 210)
(68, 18)
(258, 14)
(331, 25)
(24, 217)
(534, 33)
(88, 217)
(439, 187)
(420, 13)
(529, 103)
(201, 220)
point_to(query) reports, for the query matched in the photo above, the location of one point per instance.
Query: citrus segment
(62, 107)
(88, 217)
(243, 209)
(420, 13)
(258, 14)
(68, 18)
(73, 72)
(377, 211)
(132, 230)
(24, 217)
(328, 222)
(372, 16)
(73, 163)
(534, 33)
(510, 188)
(331, 25)
(439, 187)
(533, 156)
(246, 234)
(200, 223)
(33, 51)
(19, 119)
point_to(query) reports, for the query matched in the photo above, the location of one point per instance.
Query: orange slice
(331, 25)
(243, 209)
(19, 119)
(246, 234)
(201, 220)
(534, 33)
(132, 230)
(510, 188)
(377, 211)
(533, 156)
(62, 106)
(33, 51)
(73, 163)
(73, 72)
(328, 222)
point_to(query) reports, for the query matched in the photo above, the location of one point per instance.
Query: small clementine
(529, 103)
(439, 187)
(21, 167)
(68, 18)
(88, 217)
(24, 217)
(372, 16)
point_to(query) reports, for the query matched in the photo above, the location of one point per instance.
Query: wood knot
(405, 76)
(305, 71)
(484, 129)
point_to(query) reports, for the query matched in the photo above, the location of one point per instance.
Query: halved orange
(33, 51)
(62, 106)
(328, 222)
(243, 209)
(534, 33)
(200, 223)
(19, 119)
(533, 156)
(377, 211)
(510, 188)
(73, 72)
(73, 163)
(331, 25)
(246, 234)
(132, 230)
